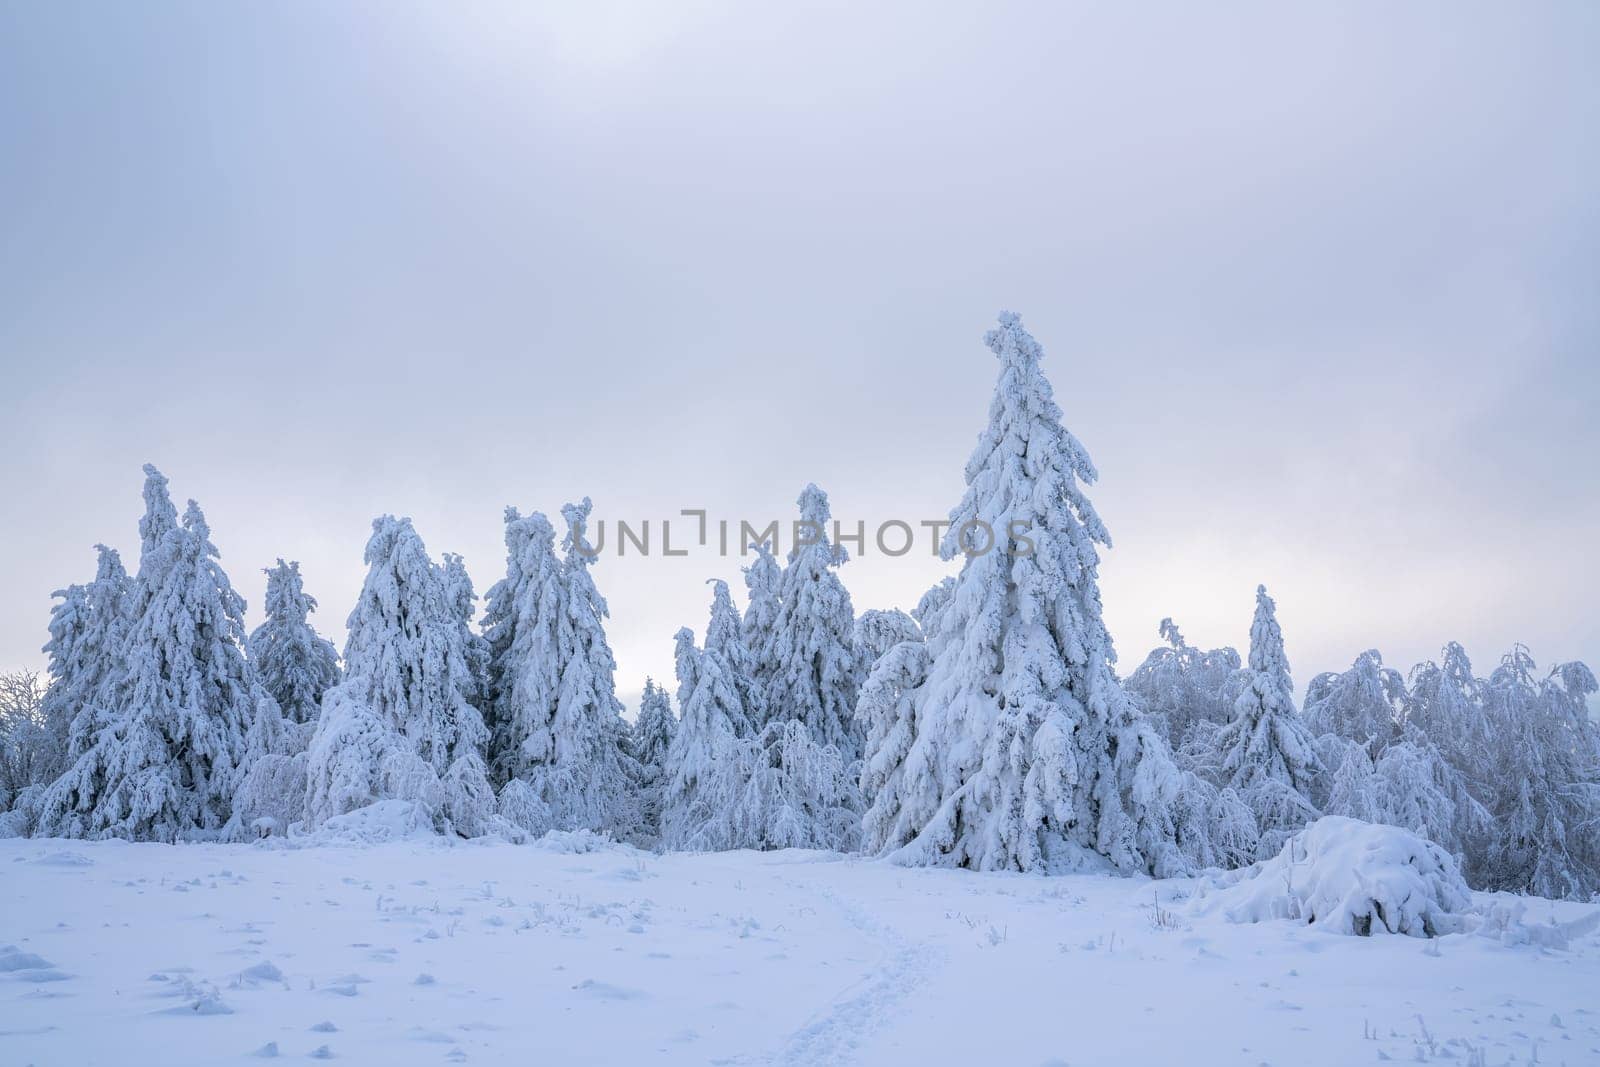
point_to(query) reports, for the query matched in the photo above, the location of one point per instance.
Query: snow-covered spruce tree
(559, 743)
(458, 590)
(725, 638)
(1353, 790)
(1178, 685)
(87, 632)
(649, 741)
(1547, 808)
(400, 725)
(1265, 754)
(167, 761)
(762, 579)
(521, 623)
(1027, 754)
(587, 781)
(930, 608)
(876, 632)
(703, 780)
(296, 664)
(813, 677)
(885, 713)
(1362, 704)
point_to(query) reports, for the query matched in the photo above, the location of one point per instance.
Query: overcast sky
(1317, 287)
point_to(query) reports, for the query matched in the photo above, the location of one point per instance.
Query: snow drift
(1354, 878)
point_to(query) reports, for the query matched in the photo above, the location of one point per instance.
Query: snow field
(429, 952)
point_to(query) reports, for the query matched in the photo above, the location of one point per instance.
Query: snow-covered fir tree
(400, 725)
(762, 579)
(164, 757)
(885, 713)
(587, 781)
(930, 607)
(87, 636)
(1179, 685)
(703, 780)
(458, 590)
(1353, 791)
(725, 639)
(813, 675)
(559, 745)
(1026, 753)
(876, 632)
(296, 664)
(649, 741)
(1362, 704)
(1265, 754)
(521, 623)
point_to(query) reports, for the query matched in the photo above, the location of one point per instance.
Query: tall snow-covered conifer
(296, 664)
(1266, 755)
(725, 639)
(401, 725)
(559, 744)
(649, 741)
(164, 759)
(86, 654)
(458, 590)
(1027, 754)
(809, 655)
(762, 579)
(703, 781)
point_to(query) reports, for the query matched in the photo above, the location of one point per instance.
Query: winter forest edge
(986, 729)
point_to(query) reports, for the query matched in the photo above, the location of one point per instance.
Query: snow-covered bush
(271, 797)
(1350, 877)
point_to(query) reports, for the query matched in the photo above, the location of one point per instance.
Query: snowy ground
(425, 952)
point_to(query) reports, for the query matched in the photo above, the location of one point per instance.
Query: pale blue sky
(1318, 288)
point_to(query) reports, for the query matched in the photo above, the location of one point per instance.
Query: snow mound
(385, 820)
(578, 841)
(1352, 877)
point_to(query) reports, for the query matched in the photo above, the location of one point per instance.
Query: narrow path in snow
(836, 1032)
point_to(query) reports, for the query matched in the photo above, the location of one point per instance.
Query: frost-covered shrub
(271, 797)
(1351, 877)
(521, 806)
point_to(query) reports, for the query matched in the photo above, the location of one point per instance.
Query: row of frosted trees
(987, 728)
